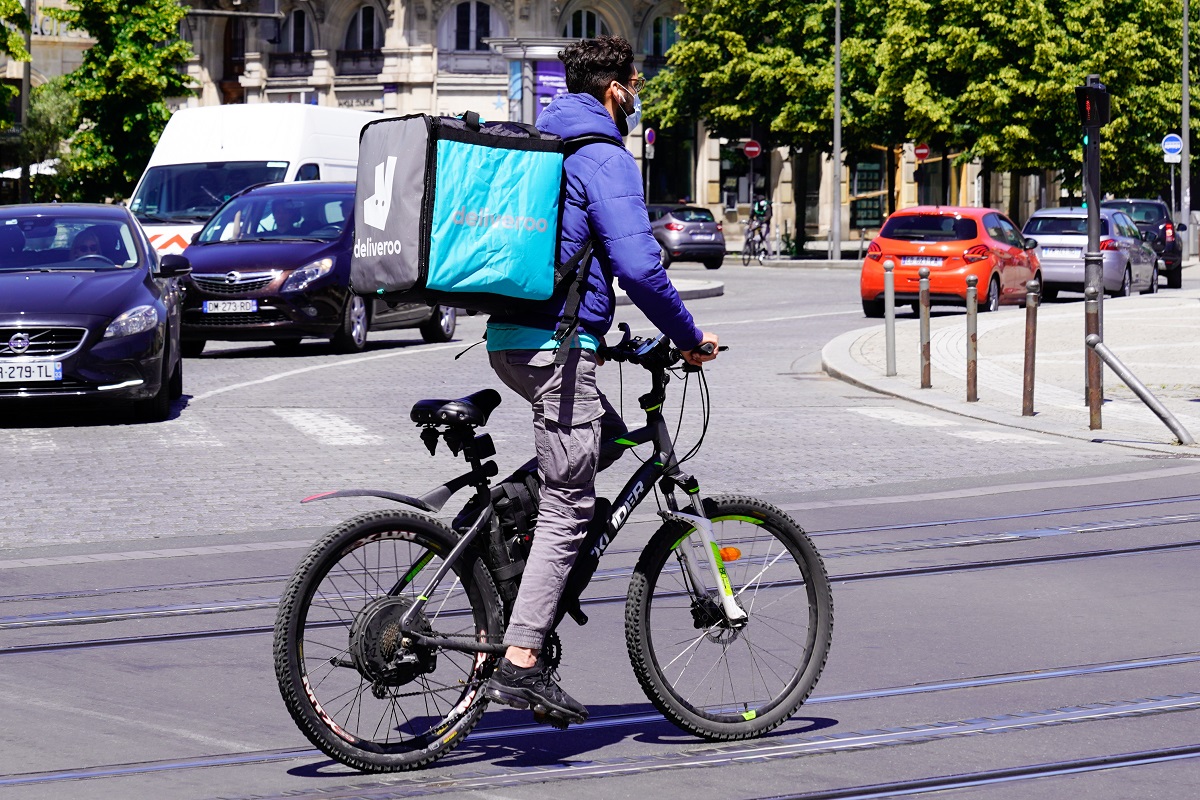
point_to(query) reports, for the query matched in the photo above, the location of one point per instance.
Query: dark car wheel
(666, 256)
(1126, 285)
(287, 345)
(440, 325)
(352, 336)
(713, 263)
(177, 380)
(1049, 294)
(192, 347)
(158, 407)
(1175, 278)
(992, 302)
(872, 309)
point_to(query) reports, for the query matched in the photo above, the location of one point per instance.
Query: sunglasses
(638, 84)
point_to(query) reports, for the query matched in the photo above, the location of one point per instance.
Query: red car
(953, 242)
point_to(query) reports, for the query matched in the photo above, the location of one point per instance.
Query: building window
(460, 39)
(585, 24)
(296, 35)
(365, 31)
(662, 33)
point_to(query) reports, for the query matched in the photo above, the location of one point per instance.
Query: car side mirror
(1181, 227)
(1031, 244)
(195, 237)
(173, 265)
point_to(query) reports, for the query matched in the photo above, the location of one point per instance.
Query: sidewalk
(688, 288)
(1156, 336)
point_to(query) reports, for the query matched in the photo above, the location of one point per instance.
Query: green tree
(53, 118)
(122, 87)
(13, 24)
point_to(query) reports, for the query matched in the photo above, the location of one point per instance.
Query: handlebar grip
(706, 349)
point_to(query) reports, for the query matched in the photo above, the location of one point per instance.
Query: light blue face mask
(632, 118)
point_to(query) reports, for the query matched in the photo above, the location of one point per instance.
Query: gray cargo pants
(571, 417)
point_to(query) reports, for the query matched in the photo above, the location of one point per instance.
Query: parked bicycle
(391, 625)
(755, 245)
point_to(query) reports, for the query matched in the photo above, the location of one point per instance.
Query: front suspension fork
(701, 526)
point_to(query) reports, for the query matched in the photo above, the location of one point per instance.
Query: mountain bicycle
(755, 245)
(392, 623)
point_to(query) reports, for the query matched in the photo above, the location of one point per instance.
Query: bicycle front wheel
(747, 252)
(712, 679)
(353, 683)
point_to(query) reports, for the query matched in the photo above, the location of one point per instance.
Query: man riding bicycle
(603, 203)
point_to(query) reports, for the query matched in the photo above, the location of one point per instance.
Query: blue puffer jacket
(604, 197)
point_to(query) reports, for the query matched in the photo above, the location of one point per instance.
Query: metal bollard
(889, 314)
(1095, 370)
(926, 381)
(1033, 298)
(972, 338)
(1139, 388)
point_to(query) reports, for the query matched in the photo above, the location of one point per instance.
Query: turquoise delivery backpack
(464, 213)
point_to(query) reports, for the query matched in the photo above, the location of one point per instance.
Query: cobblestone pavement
(259, 430)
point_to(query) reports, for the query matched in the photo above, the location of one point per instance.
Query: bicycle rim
(709, 678)
(337, 638)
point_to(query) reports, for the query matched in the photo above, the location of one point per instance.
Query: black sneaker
(533, 687)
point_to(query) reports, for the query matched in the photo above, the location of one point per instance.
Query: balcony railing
(471, 62)
(359, 62)
(290, 65)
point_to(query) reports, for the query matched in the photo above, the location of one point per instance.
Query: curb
(813, 263)
(688, 290)
(838, 363)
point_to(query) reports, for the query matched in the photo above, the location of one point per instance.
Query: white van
(207, 154)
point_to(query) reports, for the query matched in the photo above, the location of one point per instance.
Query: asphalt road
(986, 580)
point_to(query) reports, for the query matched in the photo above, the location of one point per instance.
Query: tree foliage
(53, 119)
(992, 79)
(122, 87)
(13, 24)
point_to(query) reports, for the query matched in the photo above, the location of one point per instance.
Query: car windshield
(192, 192)
(1149, 213)
(1061, 226)
(277, 216)
(49, 242)
(692, 214)
(929, 228)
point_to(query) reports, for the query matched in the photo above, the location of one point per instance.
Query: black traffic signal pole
(1094, 112)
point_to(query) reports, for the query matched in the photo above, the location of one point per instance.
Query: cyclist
(760, 217)
(604, 202)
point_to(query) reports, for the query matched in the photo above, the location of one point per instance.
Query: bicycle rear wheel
(352, 685)
(708, 678)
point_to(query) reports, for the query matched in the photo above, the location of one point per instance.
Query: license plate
(1062, 252)
(708, 237)
(921, 261)
(230, 306)
(31, 371)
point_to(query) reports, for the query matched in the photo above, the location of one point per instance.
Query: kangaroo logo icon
(377, 206)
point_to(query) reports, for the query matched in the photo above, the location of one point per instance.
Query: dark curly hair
(592, 64)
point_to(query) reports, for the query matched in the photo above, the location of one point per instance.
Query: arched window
(662, 33)
(365, 31)
(296, 36)
(585, 24)
(466, 25)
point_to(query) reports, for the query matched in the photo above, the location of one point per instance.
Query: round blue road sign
(1172, 144)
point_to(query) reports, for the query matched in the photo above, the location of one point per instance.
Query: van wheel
(352, 336)
(440, 325)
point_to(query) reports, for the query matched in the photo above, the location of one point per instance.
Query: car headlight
(135, 320)
(299, 280)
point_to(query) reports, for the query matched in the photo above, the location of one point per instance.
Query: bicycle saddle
(474, 409)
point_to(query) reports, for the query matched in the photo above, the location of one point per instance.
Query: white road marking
(187, 431)
(902, 417)
(140, 555)
(326, 428)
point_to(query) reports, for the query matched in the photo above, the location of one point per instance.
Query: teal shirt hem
(522, 337)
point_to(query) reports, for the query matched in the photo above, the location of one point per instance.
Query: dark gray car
(687, 233)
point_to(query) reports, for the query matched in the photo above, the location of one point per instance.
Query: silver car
(687, 233)
(1129, 262)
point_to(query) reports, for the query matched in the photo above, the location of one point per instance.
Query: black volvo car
(87, 308)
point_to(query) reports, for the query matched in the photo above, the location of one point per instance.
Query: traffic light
(1092, 99)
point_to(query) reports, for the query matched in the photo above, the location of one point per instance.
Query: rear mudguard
(404, 499)
(431, 502)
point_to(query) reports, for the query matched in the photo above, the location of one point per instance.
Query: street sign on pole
(1172, 158)
(921, 151)
(752, 149)
(650, 136)
(649, 152)
(1172, 144)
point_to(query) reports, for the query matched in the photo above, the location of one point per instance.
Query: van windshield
(192, 192)
(277, 215)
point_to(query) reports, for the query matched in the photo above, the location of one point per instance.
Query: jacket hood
(577, 115)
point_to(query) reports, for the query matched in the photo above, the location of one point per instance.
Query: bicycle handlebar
(654, 353)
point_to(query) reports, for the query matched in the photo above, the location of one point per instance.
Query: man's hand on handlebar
(705, 351)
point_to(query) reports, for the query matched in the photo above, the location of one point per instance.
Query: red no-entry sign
(752, 149)
(921, 151)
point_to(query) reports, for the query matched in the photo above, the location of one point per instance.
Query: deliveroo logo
(377, 207)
